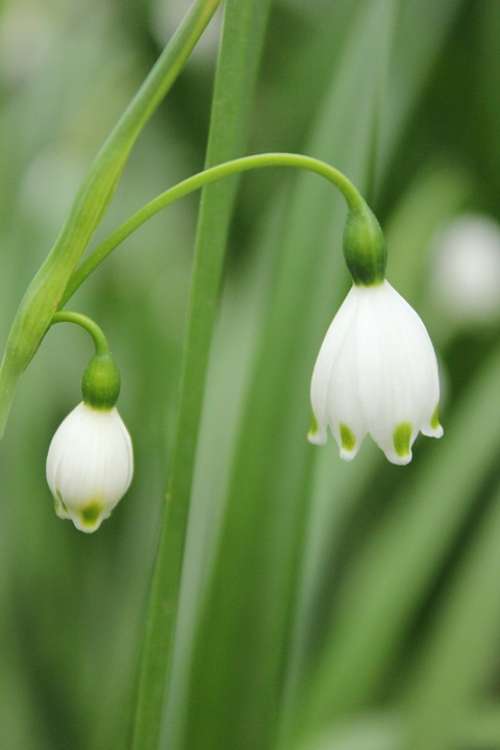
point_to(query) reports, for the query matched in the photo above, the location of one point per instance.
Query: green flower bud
(101, 382)
(364, 247)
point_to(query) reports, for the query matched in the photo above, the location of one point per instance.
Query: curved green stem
(89, 325)
(44, 293)
(161, 624)
(353, 199)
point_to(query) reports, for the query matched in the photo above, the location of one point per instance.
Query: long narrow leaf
(234, 698)
(45, 291)
(390, 578)
(459, 655)
(243, 31)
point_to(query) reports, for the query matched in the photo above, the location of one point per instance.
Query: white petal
(323, 367)
(434, 432)
(432, 427)
(419, 359)
(345, 416)
(399, 387)
(90, 465)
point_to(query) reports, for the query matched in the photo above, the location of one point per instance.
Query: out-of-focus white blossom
(376, 373)
(466, 268)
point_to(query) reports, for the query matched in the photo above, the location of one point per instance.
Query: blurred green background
(324, 605)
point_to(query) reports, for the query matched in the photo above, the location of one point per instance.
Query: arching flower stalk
(376, 372)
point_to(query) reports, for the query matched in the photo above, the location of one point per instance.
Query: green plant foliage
(47, 288)
(390, 579)
(298, 602)
(256, 567)
(244, 26)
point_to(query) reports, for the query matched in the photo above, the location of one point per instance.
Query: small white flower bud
(90, 465)
(376, 373)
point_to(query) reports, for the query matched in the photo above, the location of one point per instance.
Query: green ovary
(347, 438)
(401, 438)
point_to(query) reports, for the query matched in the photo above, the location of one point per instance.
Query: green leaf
(422, 28)
(335, 485)
(233, 701)
(45, 291)
(393, 572)
(479, 728)
(339, 488)
(243, 33)
(459, 654)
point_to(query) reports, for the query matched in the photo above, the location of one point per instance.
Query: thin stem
(96, 192)
(89, 325)
(353, 199)
(165, 594)
(44, 293)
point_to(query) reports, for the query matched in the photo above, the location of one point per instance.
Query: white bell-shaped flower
(376, 373)
(90, 465)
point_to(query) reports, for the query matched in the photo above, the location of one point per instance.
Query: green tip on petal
(347, 438)
(435, 423)
(90, 515)
(313, 427)
(314, 436)
(401, 439)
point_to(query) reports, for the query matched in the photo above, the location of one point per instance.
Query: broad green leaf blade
(392, 574)
(458, 657)
(243, 33)
(408, 73)
(242, 315)
(234, 700)
(365, 732)
(335, 484)
(479, 728)
(338, 488)
(233, 349)
(45, 291)
(422, 28)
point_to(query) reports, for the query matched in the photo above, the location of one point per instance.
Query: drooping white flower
(376, 373)
(466, 268)
(90, 465)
